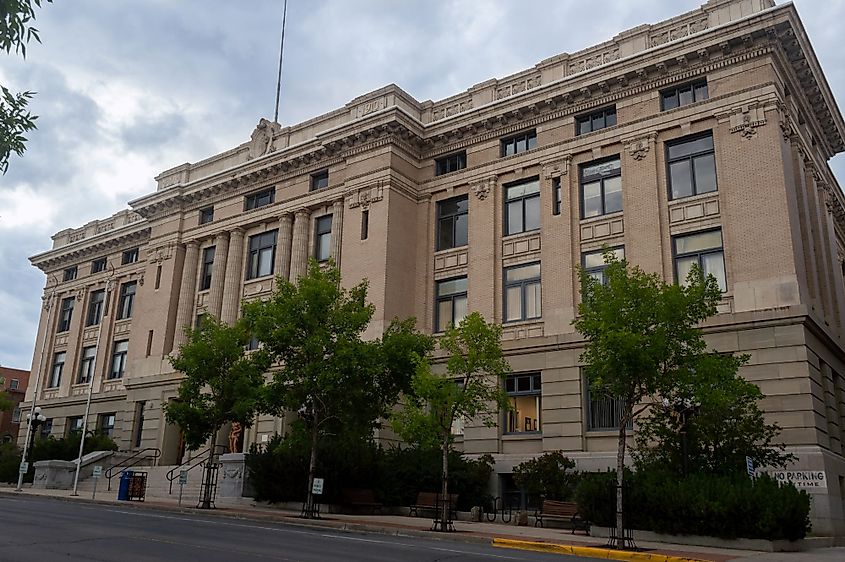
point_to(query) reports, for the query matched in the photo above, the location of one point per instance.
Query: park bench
(360, 498)
(428, 500)
(553, 510)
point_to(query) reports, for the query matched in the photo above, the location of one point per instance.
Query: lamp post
(35, 419)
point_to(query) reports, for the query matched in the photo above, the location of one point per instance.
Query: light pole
(34, 419)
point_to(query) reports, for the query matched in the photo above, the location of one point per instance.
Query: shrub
(63, 449)
(546, 476)
(725, 506)
(10, 460)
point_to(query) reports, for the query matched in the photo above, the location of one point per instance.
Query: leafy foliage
(546, 476)
(6, 403)
(16, 17)
(222, 383)
(63, 449)
(725, 506)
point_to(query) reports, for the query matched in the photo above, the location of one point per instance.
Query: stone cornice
(87, 248)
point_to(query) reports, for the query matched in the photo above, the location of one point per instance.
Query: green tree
(222, 383)
(5, 402)
(644, 344)
(16, 17)
(471, 388)
(546, 476)
(333, 379)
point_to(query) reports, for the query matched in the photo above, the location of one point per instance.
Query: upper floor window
(683, 95)
(70, 274)
(450, 163)
(452, 222)
(525, 394)
(556, 196)
(127, 300)
(262, 253)
(523, 298)
(593, 263)
(596, 120)
(207, 266)
(451, 296)
(86, 364)
(320, 180)
(56, 371)
(522, 206)
(323, 238)
(519, 143)
(95, 307)
(65, 314)
(98, 265)
(130, 256)
(259, 198)
(118, 359)
(14, 384)
(206, 215)
(365, 224)
(601, 188)
(16, 414)
(692, 166)
(704, 249)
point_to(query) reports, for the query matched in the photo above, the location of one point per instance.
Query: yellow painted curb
(590, 551)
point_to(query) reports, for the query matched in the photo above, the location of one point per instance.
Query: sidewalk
(485, 532)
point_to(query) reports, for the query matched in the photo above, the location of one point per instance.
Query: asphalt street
(43, 530)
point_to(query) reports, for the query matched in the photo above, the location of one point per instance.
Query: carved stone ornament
(746, 119)
(261, 140)
(482, 188)
(557, 169)
(638, 148)
(162, 253)
(364, 196)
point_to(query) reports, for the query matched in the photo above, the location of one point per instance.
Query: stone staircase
(158, 487)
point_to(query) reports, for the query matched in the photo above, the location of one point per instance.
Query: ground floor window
(604, 412)
(526, 403)
(106, 424)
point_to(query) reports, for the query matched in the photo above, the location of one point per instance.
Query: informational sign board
(317, 487)
(24, 467)
(98, 471)
(183, 477)
(749, 466)
(809, 480)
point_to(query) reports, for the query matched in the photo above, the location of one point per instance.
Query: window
(704, 249)
(683, 95)
(522, 292)
(556, 196)
(206, 215)
(252, 344)
(66, 314)
(56, 371)
(207, 266)
(98, 265)
(140, 406)
(46, 428)
(259, 199)
(127, 300)
(365, 224)
(323, 238)
(519, 143)
(105, 425)
(130, 256)
(320, 180)
(118, 359)
(262, 252)
(199, 320)
(594, 121)
(16, 415)
(593, 263)
(451, 297)
(601, 188)
(70, 274)
(692, 166)
(74, 425)
(451, 163)
(522, 206)
(525, 397)
(452, 222)
(86, 364)
(158, 278)
(13, 384)
(604, 412)
(95, 307)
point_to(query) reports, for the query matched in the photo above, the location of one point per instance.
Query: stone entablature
(95, 228)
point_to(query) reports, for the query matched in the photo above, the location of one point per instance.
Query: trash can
(123, 489)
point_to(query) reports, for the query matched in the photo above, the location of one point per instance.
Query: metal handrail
(192, 463)
(138, 457)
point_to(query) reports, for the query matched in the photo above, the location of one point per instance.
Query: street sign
(317, 487)
(749, 466)
(183, 477)
(24, 467)
(810, 480)
(98, 471)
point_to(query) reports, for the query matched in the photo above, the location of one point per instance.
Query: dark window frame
(612, 404)
(535, 388)
(65, 314)
(599, 269)
(126, 302)
(70, 273)
(522, 199)
(98, 265)
(86, 365)
(365, 224)
(207, 269)
(450, 163)
(102, 427)
(261, 198)
(118, 359)
(450, 221)
(601, 178)
(206, 215)
(320, 233)
(71, 422)
(130, 256)
(556, 196)
(695, 88)
(699, 253)
(95, 308)
(319, 180)
(691, 159)
(450, 297)
(522, 284)
(510, 146)
(258, 244)
(592, 117)
(57, 369)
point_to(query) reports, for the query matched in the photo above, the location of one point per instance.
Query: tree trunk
(444, 492)
(620, 475)
(312, 471)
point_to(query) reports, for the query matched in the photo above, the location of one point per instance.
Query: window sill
(445, 251)
(599, 218)
(517, 235)
(607, 433)
(696, 197)
(522, 436)
(522, 322)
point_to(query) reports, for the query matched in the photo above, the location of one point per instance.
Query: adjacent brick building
(701, 139)
(14, 386)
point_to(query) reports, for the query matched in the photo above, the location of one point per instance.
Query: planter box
(715, 542)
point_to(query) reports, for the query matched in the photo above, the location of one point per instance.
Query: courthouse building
(701, 139)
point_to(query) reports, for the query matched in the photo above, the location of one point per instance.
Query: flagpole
(281, 56)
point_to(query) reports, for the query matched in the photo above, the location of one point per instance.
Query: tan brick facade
(780, 212)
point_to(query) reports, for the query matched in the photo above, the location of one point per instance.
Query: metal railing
(192, 463)
(136, 459)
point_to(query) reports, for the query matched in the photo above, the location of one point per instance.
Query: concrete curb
(590, 551)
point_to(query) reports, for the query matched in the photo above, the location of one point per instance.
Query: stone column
(234, 274)
(283, 249)
(218, 274)
(187, 293)
(299, 245)
(337, 230)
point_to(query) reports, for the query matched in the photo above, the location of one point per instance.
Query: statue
(261, 141)
(235, 434)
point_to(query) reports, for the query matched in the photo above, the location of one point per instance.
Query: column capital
(303, 212)
(222, 235)
(286, 216)
(237, 231)
(192, 244)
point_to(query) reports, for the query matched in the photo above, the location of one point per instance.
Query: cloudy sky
(128, 89)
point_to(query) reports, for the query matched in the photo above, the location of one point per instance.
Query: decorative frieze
(450, 109)
(514, 247)
(602, 229)
(638, 148)
(557, 169)
(746, 119)
(679, 31)
(682, 211)
(518, 86)
(364, 196)
(370, 106)
(161, 253)
(593, 60)
(482, 188)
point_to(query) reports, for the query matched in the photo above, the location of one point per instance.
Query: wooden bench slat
(555, 510)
